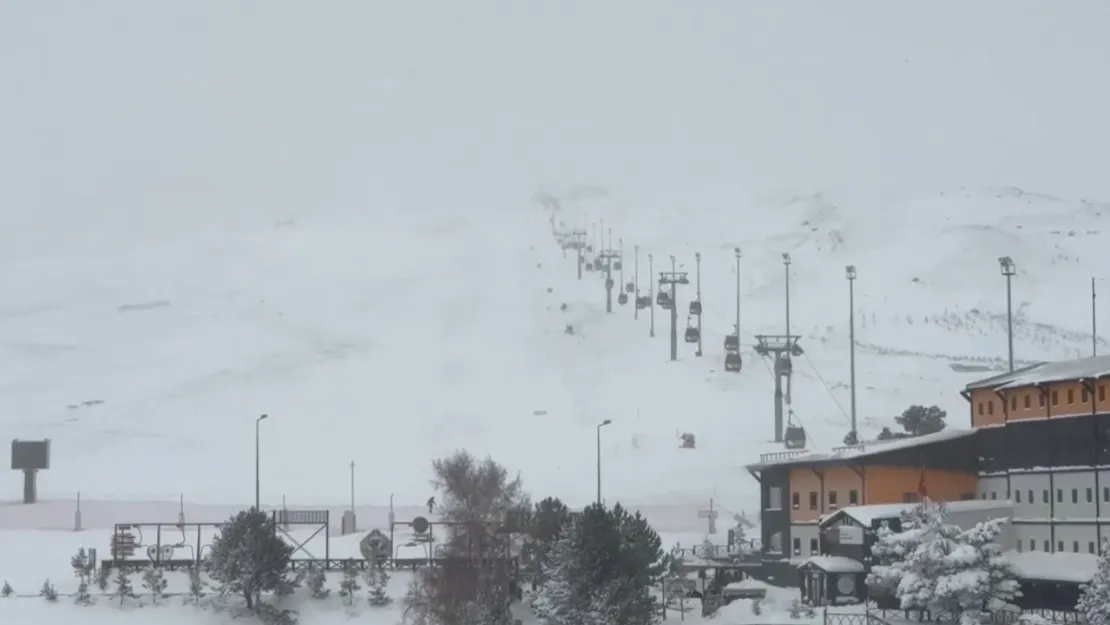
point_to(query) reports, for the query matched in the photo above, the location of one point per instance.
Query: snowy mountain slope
(212, 212)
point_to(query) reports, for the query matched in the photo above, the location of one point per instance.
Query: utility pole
(651, 296)
(786, 266)
(352, 487)
(851, 273)
(738, 255)
(620, 259)
(1008, 270)
(697, 260)
(673, 278)
(579, 243)
(608, 255)
(711, 516)
(636, 278)
(1094, 321)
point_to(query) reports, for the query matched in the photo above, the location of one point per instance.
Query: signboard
(30, 455)
(850, 535)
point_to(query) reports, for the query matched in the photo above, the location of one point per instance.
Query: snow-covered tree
(1094, 603)
(317, 584)
(248, 557)
(377, 580)
(892, 548)
(980, 577)
(154, 582)
(82, 568)
(123, 588)
(48, 592)
(6, 591)
(196, 585)
(103, 578)
(349, 585)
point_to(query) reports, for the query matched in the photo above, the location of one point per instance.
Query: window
(797, 546)
(853, 497)
(1059, 545)
(983, 495)
(1055, 398)
(1032, 545)
(980, 408)
(1090, 495)
(1106, 493)
(776, 542)
(994, 495)
(1047, 546)
(774, 498)
(1044, 496)
(1075, 495)
(990, 407)
(1040, 399)
(1059, 495)
(1090, 547)
(1071, 395)
(1027, 401)
(1075, 546)
(832, 497)
(813, 549)
(1031, 500)
(812, 500)
(795, 500)
(1084, 395)
(1017, 496)
(1013, 402)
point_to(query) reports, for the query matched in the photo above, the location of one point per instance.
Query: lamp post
(1007, 265)
(738, 255)
(599, 426)
(850, 271)
(651, 296)
(258, 462)
(697, 259)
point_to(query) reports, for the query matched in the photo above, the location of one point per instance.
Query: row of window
(1059, 546)
(1090, 495)
(813, 547)
(1054, 396)
(796, 499)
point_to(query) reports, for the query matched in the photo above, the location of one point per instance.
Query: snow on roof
(869, 448)
(835, 564)
(867, 514)
(1058, 567)
(1046, 372)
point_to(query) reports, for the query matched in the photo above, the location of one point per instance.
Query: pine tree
(317, 584)
(82, 567)
(196, 584)
(349, 585)
(6, 591)
(82, 596)
(377, 580)
(154, 582)
(103, 578)
(1094, 603)
(248, 557)
(980, 577)
(48, 592)
(123, 589)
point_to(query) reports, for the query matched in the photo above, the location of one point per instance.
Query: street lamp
(786, 266)
(738, 256)
(850, 272)
(1008, 270)
(599, 426)
(258, 462)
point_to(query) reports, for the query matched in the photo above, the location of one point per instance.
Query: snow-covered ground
(324, 214)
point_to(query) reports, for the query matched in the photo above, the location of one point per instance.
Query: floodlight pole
(786, 266)
(651, 296)
(850, 270)
(352, 488)
(1094, 321)
(697, 260)
(737, 250)
(1008, 270)
(258, 462)
(636, 278)
(599, 426)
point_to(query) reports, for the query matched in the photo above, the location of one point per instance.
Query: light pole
(651, 296)
(258, 462)
(1094, 321)
(738, 255)
(697, 259)
(599, 426)
(850, 270)
(1008, 270)
(786, 266)
(636, 278)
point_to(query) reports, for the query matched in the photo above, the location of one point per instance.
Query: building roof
(834, 564)
(1092, 367)
(860, 451)
(1056, 567)
(868, 514)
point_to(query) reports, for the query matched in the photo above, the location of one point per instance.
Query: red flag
(921, 490)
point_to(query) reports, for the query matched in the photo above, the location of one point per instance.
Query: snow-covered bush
(6, 590)
(196, 585)
(154, 582)
(1094, 603)
(123, 588)
(48, 592)
(349, 585)
(317, 584)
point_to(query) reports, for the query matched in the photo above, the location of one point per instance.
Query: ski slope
(325, 214)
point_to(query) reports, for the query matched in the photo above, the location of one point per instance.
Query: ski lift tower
(608, 256)
(673, 279)
(781, 347)
(578, 242)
